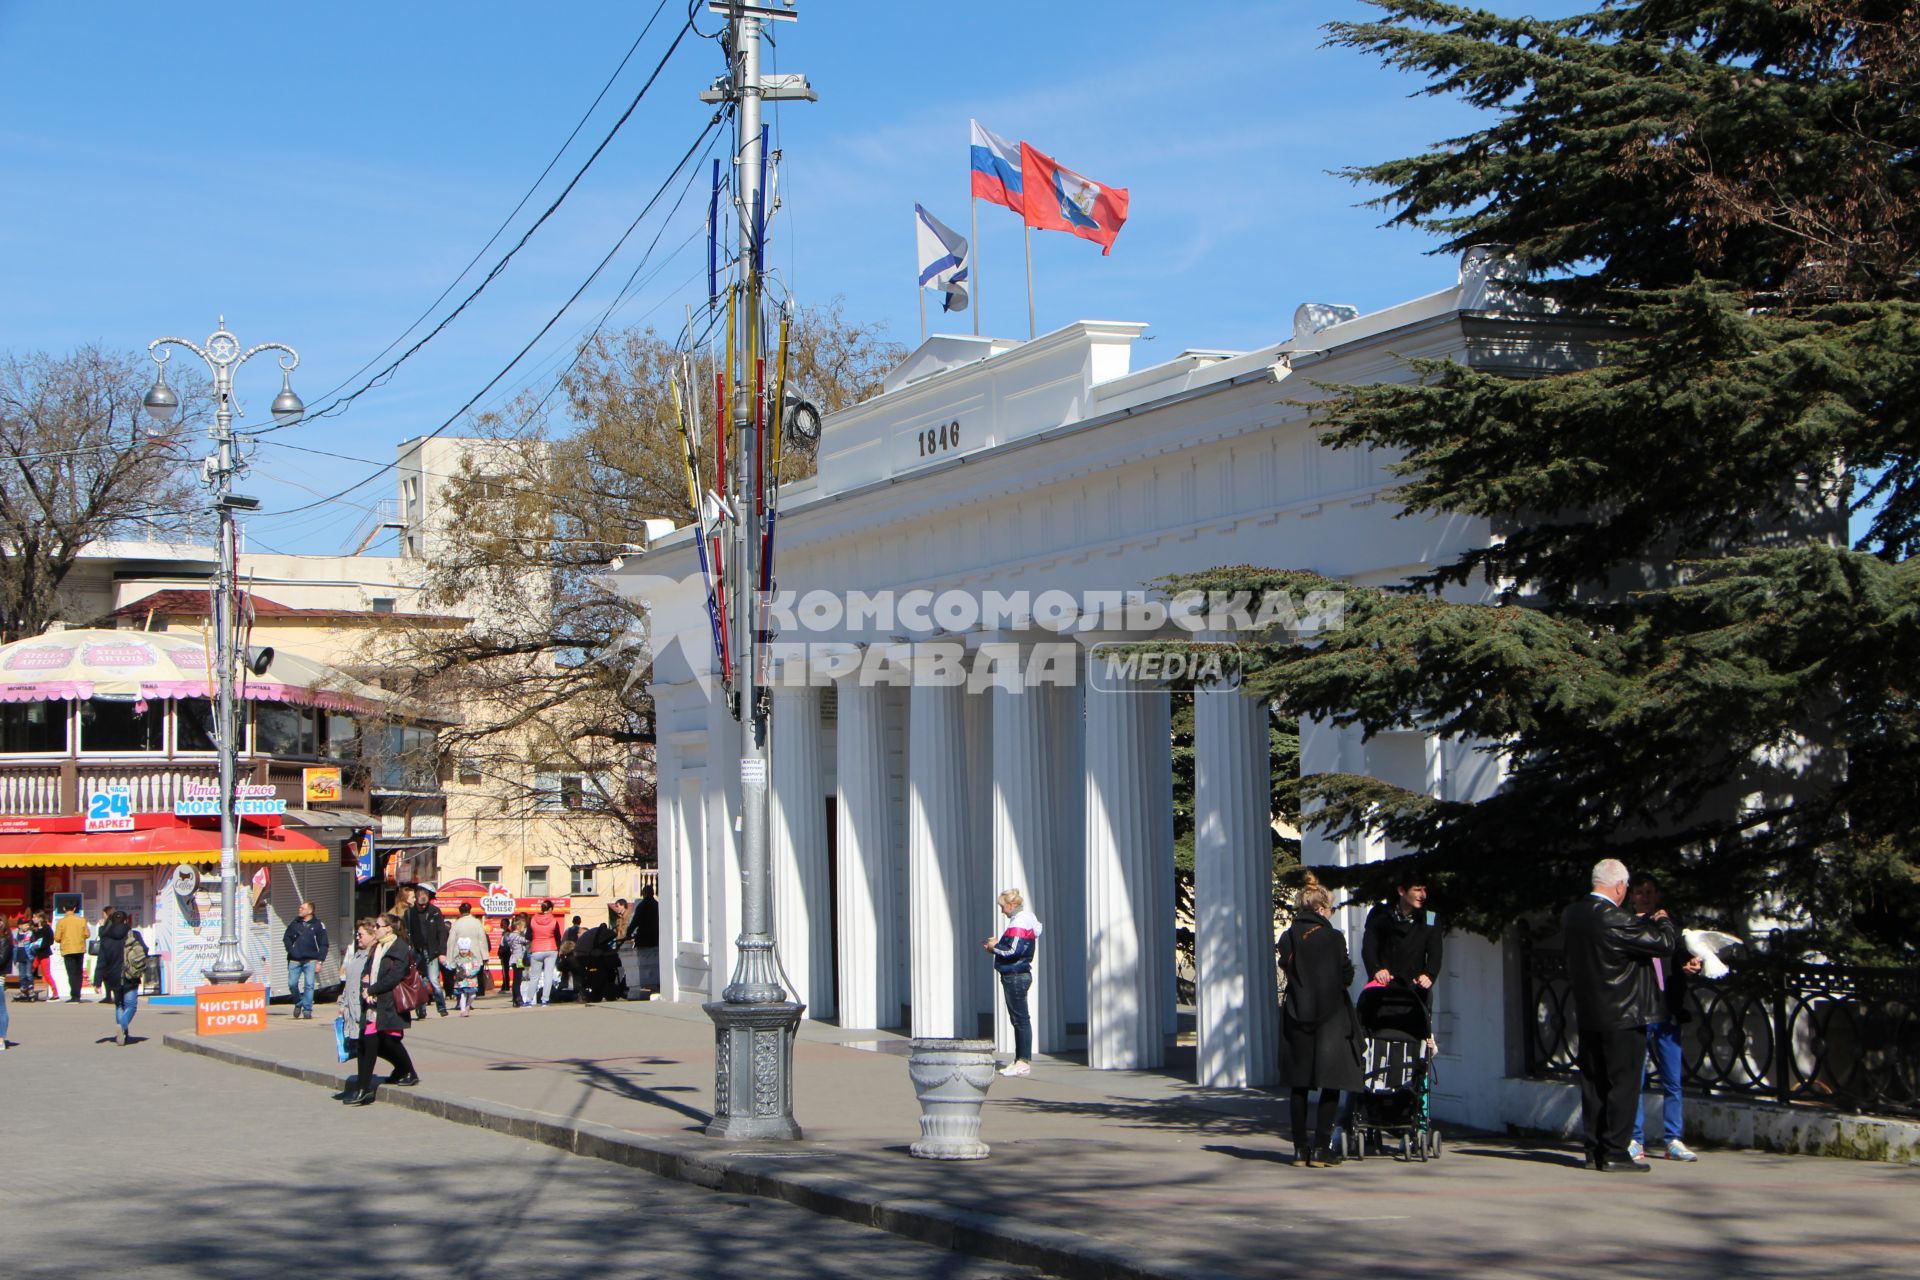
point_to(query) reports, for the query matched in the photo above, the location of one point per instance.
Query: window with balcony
(33, 728)
(116, 726)
(536, 882)
(582, 882)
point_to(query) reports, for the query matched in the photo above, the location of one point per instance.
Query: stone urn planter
(950, 1077)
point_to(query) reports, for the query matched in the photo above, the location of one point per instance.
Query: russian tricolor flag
(996, 169)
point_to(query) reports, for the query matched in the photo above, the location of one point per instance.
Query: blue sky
(319, 174)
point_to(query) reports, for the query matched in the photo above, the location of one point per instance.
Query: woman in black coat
(1317, 1022)
(109, 973)
(383, 1026)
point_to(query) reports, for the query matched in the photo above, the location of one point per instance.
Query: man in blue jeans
(306, 942)
(1013, 960)
(1670, 973)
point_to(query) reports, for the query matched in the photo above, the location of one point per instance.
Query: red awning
(154, 847)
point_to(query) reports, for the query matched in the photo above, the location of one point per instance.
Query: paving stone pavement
(140, 1161)
(1127, 1174)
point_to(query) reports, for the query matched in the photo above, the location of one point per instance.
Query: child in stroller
(1398, 1022)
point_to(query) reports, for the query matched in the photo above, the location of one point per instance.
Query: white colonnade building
(993, 470)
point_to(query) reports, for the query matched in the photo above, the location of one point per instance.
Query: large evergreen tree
(1688, 666)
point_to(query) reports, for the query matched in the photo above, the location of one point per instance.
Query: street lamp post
(222, 355)
(755, 1022)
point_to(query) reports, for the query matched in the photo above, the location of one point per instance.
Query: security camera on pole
(223, 355)
(754, 1020)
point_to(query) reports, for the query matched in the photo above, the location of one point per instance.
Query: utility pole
(754, 1021)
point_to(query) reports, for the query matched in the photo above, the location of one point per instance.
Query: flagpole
(1029, 235)
(923, 312)
(973, 204)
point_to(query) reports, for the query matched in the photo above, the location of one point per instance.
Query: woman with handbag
(382, 1019)
(1318, 1023)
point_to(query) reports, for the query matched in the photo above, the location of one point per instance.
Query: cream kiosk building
(1006, 471)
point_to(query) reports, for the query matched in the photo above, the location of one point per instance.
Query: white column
(1024, 851)
(941, 990)
(870, 935)
(976, 913)
(802, 914)
(1129, 805)
(670, 847)
(724, 890)
(1157, 793)
(1066, 917)
(1233, 891)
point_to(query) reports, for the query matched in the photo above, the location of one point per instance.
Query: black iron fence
(1809, 1034)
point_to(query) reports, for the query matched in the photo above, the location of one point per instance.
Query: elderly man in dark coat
(1609, 963)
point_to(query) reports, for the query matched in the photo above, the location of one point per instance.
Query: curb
(1066, 1254)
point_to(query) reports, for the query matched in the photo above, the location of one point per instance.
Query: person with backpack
(120, 968)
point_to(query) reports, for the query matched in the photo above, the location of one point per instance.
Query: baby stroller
(1394, 1107)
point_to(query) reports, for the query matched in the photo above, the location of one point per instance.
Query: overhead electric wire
(526, 490)
(570, 353)
(508, 220)
(380, 378)
(544, 329)
(619, 300)
(580, 347)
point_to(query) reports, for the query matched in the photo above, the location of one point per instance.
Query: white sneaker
(1636, 1153)
(1677, 1150)
(1016, 1069)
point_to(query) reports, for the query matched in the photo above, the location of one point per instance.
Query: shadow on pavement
(596, 1075)
(1530, 1155)
(1261, 1154)
(1157, 1114)
(411, 1218)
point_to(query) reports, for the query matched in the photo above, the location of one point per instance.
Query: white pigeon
(1707, 944)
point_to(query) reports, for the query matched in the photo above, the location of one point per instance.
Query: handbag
(412, 992)
(340, 1036)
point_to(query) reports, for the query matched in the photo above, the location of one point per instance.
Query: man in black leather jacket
(1609, 951)
(427, 931)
